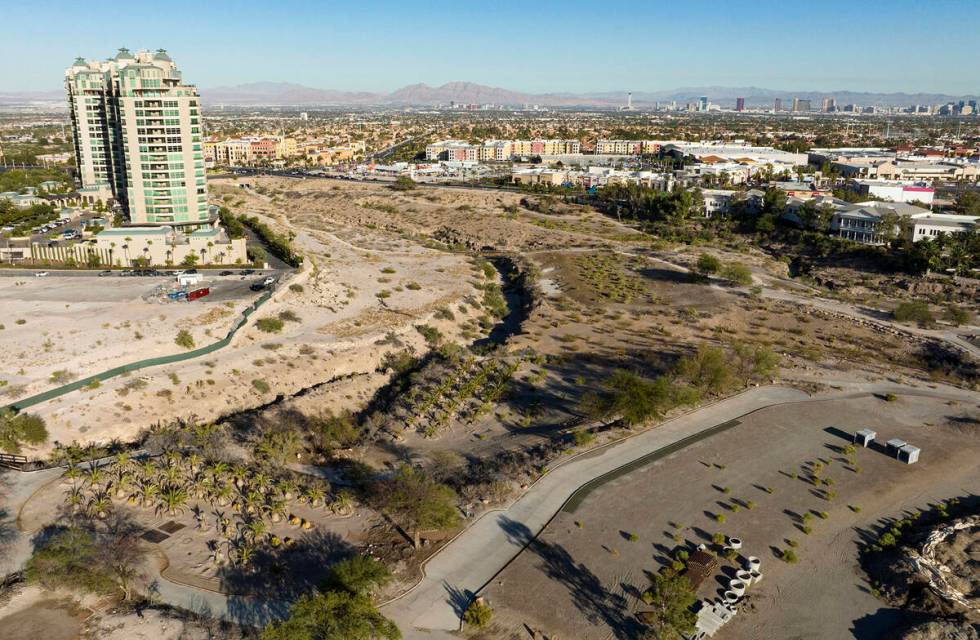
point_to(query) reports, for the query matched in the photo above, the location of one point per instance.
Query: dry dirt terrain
(552, 299)
(583, 576)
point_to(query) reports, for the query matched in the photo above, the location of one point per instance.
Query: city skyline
(386, 46)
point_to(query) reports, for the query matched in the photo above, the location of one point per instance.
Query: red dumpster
(198, 293)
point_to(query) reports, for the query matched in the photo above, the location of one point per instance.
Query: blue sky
(534, 45)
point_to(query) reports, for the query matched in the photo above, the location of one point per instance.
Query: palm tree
(123, 483)
(221, 493)
(148, 493)
(315, 495)
(245, 554)
(253, 502)
(217, 469)
(255, 528)
(239, 473)
(261, 481)
(172, 475)
(286, 488)
(73, 474)
(122, 461)
(100, 506)
(172, 499)
(74, 499)
(342, 503)
(148, 469)
(172, 459)
(278, 509)
(94, 476)
(194, 462)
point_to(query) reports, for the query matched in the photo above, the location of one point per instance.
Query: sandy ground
(583, 581)
(83, 325)
(32, 612)
(340, 320)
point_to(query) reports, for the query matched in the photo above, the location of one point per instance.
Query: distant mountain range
(291, 94)
(284, 93)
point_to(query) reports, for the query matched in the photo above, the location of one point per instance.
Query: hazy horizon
(652, 46)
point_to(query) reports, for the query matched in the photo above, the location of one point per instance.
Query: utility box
(864, 437)
(894, 445)
(908, 454)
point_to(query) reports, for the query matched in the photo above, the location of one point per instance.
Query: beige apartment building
(137, 127)
(499, 150)
(626, 147)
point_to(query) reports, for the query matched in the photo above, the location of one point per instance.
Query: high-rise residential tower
(137, 129)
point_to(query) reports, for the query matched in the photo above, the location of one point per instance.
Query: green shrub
(261, 386)
(737, 273)
(289, 316)
(403, 183)
(17, 429)
(914, 311)
(296, 288)
(583, 437)
(708, 264)
(957, 316)
(184, 339)
(269, 325)
(432, 335)
(788, 555)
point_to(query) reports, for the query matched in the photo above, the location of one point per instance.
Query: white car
(268, 280)
(41, 274)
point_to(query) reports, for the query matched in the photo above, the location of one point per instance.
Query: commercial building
(896, 190)
(137, 128)
(800, 105)
(739, 104)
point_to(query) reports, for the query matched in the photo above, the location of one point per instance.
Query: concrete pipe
(735, 543)
(738, 586)
(731, 597)
(744, 576)
(756, 577)
(752, 563)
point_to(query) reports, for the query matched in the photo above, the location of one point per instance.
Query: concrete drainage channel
(50, 394)
(576, 499)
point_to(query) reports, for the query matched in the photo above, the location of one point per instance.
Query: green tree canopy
(333, 615)
(670, 616)
(417, 500)
(357, 575)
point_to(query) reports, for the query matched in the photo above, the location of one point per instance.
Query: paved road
(472, 560)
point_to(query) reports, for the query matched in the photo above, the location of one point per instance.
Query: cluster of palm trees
(467, 393)
(240, 501)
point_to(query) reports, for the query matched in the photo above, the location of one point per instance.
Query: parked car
(107, 272)
(225, 273)
(41, 274)
(269, 280)
(246, 272)
(257, 286)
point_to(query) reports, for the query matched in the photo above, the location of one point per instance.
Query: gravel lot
(583, 581)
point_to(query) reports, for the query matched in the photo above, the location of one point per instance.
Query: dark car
(257, 286)
(191, 271)
(246, 272)
(225, 273)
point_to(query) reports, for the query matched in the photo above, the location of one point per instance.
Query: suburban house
(862, 222)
